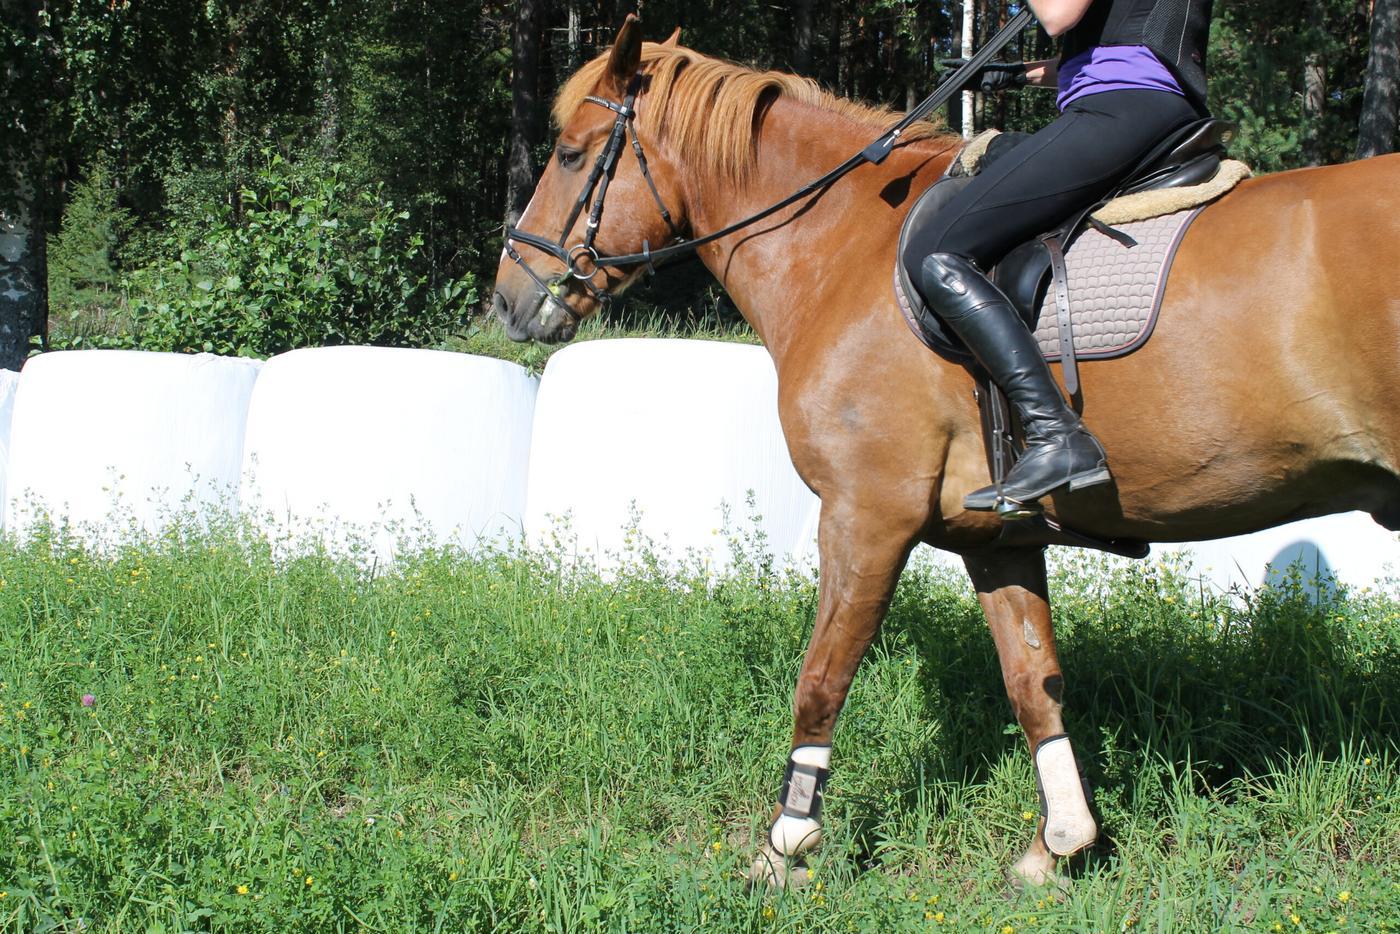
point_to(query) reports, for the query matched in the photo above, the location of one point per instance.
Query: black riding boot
(1060, 451)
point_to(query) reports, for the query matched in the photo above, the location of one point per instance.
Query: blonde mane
(709, 109)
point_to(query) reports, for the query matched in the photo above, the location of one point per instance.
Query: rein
(575, 257)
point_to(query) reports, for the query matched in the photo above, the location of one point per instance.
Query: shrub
(304, 261)
(84, 281)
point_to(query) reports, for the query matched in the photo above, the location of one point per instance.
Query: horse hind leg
(1011, 587)
(861, 560)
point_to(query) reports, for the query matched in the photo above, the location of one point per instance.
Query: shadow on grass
(1155, 684)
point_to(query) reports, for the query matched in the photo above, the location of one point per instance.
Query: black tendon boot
(1060, 451)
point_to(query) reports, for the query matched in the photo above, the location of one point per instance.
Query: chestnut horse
(1267, 393)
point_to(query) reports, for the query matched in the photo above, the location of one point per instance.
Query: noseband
(584, 252)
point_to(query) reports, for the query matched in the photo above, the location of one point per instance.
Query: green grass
(486, 336)
(494, 744)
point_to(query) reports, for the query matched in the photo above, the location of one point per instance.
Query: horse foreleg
(1011, 587)
(861, 560)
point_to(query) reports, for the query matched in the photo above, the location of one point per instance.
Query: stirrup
(1009, 510)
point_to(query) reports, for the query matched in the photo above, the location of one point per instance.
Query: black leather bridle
(584, 252)
(623, 127)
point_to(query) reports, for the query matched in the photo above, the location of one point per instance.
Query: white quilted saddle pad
(1115, 290)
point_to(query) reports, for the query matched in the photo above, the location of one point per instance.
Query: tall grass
(497, 743)
(487, 337)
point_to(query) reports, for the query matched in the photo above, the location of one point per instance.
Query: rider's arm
(1043, 74)
(1059, 15)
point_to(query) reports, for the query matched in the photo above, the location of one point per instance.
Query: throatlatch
(798, 828)
(1064, 802)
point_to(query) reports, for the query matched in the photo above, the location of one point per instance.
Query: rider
(1130, 73)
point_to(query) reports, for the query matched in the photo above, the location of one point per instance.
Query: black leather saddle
(1188, 157)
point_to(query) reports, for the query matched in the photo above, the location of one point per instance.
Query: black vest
(1176, 30)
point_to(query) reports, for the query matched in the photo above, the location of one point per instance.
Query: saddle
(1190, 157)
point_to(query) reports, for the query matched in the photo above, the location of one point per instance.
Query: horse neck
(780, 270)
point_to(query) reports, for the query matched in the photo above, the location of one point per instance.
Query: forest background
(250, 176)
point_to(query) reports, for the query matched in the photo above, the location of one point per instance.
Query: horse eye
(569, 158)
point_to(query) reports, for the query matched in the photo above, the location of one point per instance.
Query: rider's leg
(1059, 450)
(1065, 167)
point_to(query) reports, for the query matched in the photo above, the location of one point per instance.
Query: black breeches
(1064, 168)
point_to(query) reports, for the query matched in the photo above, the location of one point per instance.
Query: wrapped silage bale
(1347, 547)
(372, 450)
(9, 382)
(112, 441)
(646, 443)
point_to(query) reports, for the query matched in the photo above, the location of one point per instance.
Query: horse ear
(626, 53)
(675, 39)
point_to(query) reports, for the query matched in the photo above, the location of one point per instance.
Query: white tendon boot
(798, 826)
(1069, 827)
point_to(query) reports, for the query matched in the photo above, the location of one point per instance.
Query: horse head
(548, 283)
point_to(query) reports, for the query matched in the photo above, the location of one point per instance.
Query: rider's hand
(994, 76)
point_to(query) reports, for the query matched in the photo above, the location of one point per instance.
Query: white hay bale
(9, 382)
(1349, 547)
(372, 446)
(110, 441)
(664, 435)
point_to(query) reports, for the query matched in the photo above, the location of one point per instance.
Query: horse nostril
(500, 307)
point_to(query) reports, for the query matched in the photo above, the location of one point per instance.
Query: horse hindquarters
(1267, 391)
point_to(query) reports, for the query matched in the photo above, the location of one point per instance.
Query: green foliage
(304, 262)
(84, 281)
(1259, 50)
(413, 99)
(497, 743)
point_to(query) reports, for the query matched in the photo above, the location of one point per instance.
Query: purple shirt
(1113, 68)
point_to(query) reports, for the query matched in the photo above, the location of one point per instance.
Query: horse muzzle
(536, 315)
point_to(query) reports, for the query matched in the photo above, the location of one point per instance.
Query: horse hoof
(776, 871)
(1036, 870)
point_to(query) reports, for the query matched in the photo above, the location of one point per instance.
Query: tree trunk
(575, 39)
(969, 98)
(1381, 99)
(802, 37)
(328, 106)
(25, 84)
(24, 298)
(1314, 99)
(525, 103)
